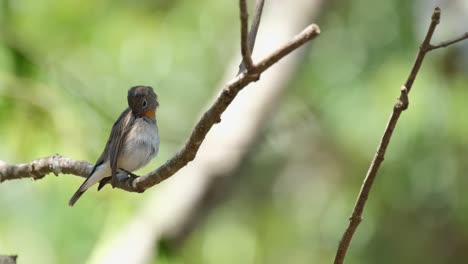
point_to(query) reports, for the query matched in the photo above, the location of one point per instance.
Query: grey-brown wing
(113, 135)
(114, 143)
(117, 137)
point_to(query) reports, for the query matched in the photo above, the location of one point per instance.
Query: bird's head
(143, 101)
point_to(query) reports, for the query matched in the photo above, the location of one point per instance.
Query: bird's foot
(130, 174)
(113, 181)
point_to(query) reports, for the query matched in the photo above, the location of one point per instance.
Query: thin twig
(447, 43)
(253, 30)
(245, 50)
(58, 164)
(307, 34)
(255, 24)
(399, 107)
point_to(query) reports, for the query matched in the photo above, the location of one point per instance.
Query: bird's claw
(113, 182)
(130, 174)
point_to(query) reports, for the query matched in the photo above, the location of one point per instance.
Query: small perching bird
(133, 142)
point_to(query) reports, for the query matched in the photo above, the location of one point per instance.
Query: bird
(133, 141)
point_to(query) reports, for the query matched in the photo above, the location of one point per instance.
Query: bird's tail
(80, 191)
(93, 177)
(76, 196)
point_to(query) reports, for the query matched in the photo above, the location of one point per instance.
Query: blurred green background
(65, 67)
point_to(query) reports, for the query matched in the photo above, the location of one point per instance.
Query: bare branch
(37, 169)
(253, 30)
(245, 50)
(57, 164)
(399, 107)
(423, 49)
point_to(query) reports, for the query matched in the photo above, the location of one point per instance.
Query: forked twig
(245, 49)
(399, 107)
(58, 164)
(253, 29)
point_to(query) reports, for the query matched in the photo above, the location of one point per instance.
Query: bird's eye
(144, 103)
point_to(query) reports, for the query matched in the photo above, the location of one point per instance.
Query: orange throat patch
(150, 113)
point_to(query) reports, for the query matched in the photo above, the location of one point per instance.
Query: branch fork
(401, 105)
(248, 73)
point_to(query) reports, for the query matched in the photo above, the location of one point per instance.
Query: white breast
(141, 145)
